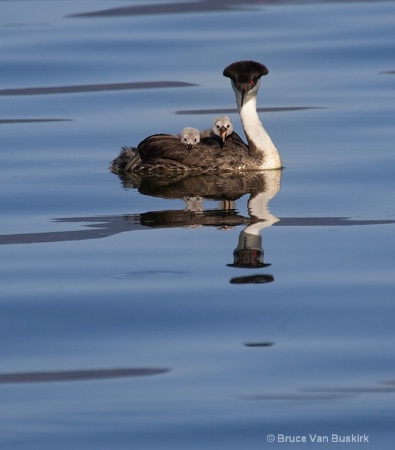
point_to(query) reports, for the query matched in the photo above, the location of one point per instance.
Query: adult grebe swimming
(246, 78)
(164, 152)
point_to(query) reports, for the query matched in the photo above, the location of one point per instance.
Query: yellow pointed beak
(223, 132)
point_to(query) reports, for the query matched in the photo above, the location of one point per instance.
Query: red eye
(251, 83)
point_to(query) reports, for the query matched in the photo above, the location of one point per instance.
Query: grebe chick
(190, 137)
(223, 127)
(164, 152)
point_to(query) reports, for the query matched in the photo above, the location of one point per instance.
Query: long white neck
(258, 139)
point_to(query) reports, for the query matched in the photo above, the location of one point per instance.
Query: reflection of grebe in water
(225, 188)
(164, 152)
(249, 253)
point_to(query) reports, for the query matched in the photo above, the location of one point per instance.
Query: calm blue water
(123, 321)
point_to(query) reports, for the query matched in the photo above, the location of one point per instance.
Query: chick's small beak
(189, 147)
(223, 132)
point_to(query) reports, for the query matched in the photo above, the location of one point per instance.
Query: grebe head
(223, 127)
(245, 77)
(190, 137)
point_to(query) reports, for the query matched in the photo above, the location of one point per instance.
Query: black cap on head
(245, 71)
(245, 75)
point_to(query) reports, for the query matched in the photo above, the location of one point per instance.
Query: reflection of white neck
(258, 139)
(258, 205)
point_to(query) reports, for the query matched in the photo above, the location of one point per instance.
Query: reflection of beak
(223, 132)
